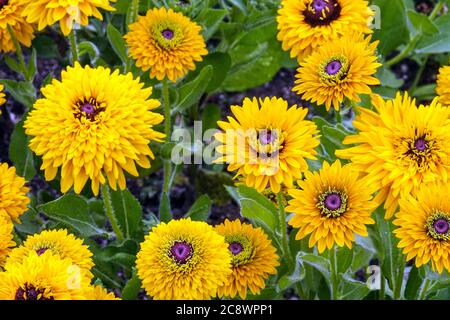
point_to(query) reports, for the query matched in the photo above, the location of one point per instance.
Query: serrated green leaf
(117, 42)
(128, 212)
(200, 209)
(20, 154)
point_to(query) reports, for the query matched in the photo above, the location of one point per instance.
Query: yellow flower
(331, 205)
(94, 124)
(2, 97)
(166, 42)
(267, 143)
(100, 293)
(13, 193)
(400, 147)
(424, 226)
(443, 85)
(341, 68)
(60, 243)
(10, 15)
(6, 238)
(67, 12)
(254, 258)
(183, 259)
(305, 25)
(44, 277)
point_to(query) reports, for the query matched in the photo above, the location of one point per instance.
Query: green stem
(334, 275)
(424, 289)
(412, 44)
(382, 292)
(133, 18)
(109, 210)
(399, 281)
(19, 53)
(167, 131)
(418, 76)
(73, 46)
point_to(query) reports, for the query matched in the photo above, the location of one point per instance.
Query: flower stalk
(73, 46)
(109, 210)
(19, 53)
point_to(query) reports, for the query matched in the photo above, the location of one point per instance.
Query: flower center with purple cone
(88, 109)
(333, 67)
(41, 251)
(441, 226)
(420, 144)
(236, 248)
(30, 292)
(333, 201)
(3, 3)
(181, 252)
(267, 137)
(438, 225)
(322, 12)
(168, 34)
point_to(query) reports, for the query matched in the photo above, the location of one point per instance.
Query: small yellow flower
(10, 15)
(183, 259)
(60, 243)
(44, 277)
(443, 85)
(332, 205)
(254, 258)
(13, 193)
(93, 124)
(341, 68)
(400, 147)
(2, 97)
(166, 43)
(306, 25)
(267, 142)
(100, 293)
(67, 12)
(424, 226)
(6, 238)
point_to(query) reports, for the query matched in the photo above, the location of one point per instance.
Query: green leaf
(256, 207)
(319, 263)
(129, 214)
(132, 288)
(165, 214)
(89, 48)
(32, 65)
(20, 154)
(426, 92)
(344, 256)
(290, 280)
(200, 209)
(23, 92)
(421, 23)
(353, 289)
(240, 5)
(13, 64)
(191, 92)
(439, 42)
(211, 114)
(73, 211)
(117, 42)
(415, 280)
(388, 78)
(210, 19)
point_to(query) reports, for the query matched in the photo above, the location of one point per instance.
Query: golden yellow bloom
(331, 205)
(305, 25)
(183, 259)
(100, 293)
(67, 12)
(443, 85)
(166, 42)
(400, 147)
(267, 142)
(94, 124)
(44, 277)
(341, 68)
(60, 243)
(2, 97)
(10, 15)
(13, 193)
(254, 258)
(424, 226)
(6, 238)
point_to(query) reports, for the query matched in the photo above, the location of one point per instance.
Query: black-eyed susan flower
(100, 293)
(44, 277)
(48, 12)
(443, 85)
(341, 68)
(94, 125)
(424, 226)
(166, 43)
(267, 142)
(13, 193)
(10, 15)
(400, 147)
(331, 206)
(305, 25)
(254, 258)
(183, 259)
(58, 242)
(2, 97)
(6, 238)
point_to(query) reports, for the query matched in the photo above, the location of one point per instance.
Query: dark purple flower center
(333, 201)
(88, 108)
(322, 12)
(30, 292)
(441, 226)
(168, 34)
(420, 144)
(236, 248)
(41, 251)
(3, 3)
(181, 252)
(333, 67)
(266, 137)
